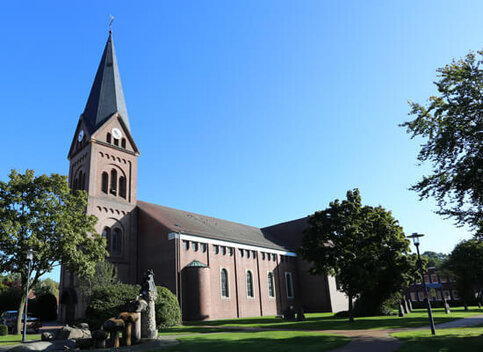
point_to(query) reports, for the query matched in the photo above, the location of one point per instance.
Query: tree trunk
(17, 329)
(351, 316)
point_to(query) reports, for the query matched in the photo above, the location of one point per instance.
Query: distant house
(437, 285)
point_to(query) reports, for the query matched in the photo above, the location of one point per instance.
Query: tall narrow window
(122, 187)
(83, 186)
(123, 142)
(105, 182)
(116, 240)
(106, 233)
(108, 137)
(249, 284)
(224, 283)
(271, 286)
(113, 182)
(116, 141)
(289, 284)
(76, 183)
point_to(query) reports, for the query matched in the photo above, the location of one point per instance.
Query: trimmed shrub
(168, 312)
(3, 330)
(107, 302)
(44, 307)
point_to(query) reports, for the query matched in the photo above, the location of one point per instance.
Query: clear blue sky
(253, 111)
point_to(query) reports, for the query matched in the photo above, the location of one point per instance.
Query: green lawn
(459, 339)
(327, 321)
(14, 339)
(266, 341)
(185, 329)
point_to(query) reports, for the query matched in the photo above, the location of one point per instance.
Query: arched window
(123, 142)
(249, 284)
(106, 233)
(271, 286)
(83, 185)
(224, 283)
(113, 182)
(108, 137)
(122, 187)
(116, 141)
(105, 182)
(116, 240)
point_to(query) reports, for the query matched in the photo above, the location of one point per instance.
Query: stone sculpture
(148, 316)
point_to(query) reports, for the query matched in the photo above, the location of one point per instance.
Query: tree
(105, 275)
(465, 263)
(435, 259)
(41, 213)
(46, 286)
(362, 246)
(452, 125)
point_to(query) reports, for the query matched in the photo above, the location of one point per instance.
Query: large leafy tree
(362, 246)
(452, 126)
(435, 259)
(465, 264)
(42, 214)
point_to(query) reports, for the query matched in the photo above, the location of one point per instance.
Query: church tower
(103, 162)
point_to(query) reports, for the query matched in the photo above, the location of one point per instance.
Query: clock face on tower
(80, 137)
(116, 133)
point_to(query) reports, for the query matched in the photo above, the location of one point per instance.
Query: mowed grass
(327, 321)
(448, 340)
(15, 339)
(265, 341)
(186, 329)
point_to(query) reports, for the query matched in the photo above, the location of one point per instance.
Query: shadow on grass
(327, 321)
(183, 330)
(274, 341)
(443, 343)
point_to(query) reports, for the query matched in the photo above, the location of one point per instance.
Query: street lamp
(415, 236)
(30, 257)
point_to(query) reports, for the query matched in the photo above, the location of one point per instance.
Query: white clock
(80, 137)
(116, 133)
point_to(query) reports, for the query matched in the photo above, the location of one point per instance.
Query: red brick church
(216, 268)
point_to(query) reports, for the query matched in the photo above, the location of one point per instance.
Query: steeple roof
(106, 96)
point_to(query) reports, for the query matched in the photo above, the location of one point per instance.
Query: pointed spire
(106, 96)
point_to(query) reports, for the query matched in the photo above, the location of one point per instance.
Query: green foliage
(452, 126)
(435, 259)
(105, 275)
(465, 263)
(46, 286)
(108, 301)
(42, 214)
(168, 313)
(363, 246)
(9, 299)
(44, 307)
(3, 330)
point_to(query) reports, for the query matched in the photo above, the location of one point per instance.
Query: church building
(216, 268)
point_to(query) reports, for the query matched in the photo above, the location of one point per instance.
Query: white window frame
(289, 274)
(273, 286)
(246, 283)
(227, 283)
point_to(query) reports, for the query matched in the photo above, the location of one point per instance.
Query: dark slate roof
(205, 226)
(289, 233)
(106, 96)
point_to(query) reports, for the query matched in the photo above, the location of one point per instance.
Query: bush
(107, 302)
(3, 330)
(9, 299)
(44, 307)
(168, 312)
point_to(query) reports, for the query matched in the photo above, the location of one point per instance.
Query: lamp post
(415, 236)
(30, 257)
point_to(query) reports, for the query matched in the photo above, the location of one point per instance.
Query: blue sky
(257, 112)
